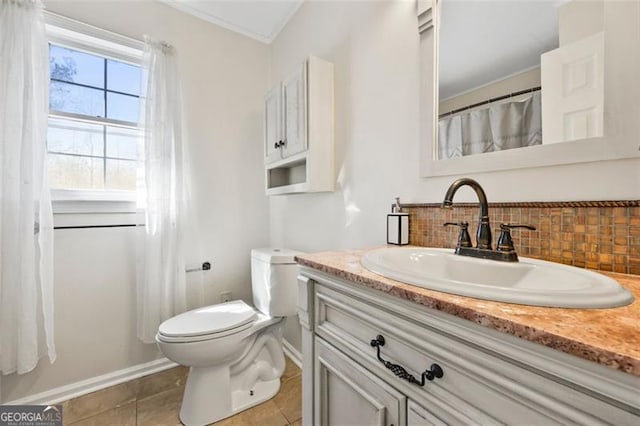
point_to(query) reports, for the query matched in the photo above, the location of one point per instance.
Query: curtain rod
(124, 225)
(491, 100)
(36, 226)
(91, 30)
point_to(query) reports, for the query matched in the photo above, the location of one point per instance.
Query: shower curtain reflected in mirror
(491, 127)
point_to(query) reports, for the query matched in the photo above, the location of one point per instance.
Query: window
(94, 104)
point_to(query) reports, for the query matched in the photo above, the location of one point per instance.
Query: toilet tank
(274, 275)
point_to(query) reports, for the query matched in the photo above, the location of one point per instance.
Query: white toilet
(233, 350)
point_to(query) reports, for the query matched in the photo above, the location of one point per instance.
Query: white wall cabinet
(299, 131)
(488, 377)
(272, 125)
(294, 107)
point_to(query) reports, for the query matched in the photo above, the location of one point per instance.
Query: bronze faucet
(504, 251)
(483, 235)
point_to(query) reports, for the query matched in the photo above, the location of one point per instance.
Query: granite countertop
(607, 336)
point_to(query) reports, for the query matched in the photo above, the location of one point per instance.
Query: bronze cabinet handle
(435, 372)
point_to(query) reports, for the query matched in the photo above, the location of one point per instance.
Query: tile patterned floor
(155, 400)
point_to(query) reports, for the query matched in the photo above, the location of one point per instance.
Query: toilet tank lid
(274, 255)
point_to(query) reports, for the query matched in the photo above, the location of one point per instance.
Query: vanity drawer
(418, 416)
(478, 386)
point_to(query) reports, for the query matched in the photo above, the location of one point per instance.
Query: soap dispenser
(397, 225)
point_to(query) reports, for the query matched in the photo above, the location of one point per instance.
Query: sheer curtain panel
(161, 195)
(26, 220)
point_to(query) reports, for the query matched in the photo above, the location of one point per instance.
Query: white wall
(374, 46)
(224, 79)
(579, 19)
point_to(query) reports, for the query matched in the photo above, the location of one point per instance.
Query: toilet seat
(209, 322)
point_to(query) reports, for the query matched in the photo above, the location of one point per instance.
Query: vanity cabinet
(488, 377)
(299, 131)
(347, 394)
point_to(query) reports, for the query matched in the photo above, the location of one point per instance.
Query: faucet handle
(505, 243)
(464, 240)
(509, 226)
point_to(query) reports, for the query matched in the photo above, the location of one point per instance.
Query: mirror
(492, 97)
(552, 78)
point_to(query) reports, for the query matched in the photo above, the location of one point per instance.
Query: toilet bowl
(234, 351)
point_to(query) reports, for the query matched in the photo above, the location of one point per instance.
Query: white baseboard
(74, 390)
(292, 353)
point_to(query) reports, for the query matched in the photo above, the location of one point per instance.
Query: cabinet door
(418, 416)
(347, 394)
(294, 99)
(273, 125)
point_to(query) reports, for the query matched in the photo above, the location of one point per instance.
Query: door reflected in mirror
(514, 74)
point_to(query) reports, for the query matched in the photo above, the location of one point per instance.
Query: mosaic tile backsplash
(601, 235)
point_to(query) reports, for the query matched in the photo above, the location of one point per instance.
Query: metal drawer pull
(434, 372)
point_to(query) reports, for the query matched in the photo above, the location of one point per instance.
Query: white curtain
(517, 124)
(450, 137)
(496, 127)
(26, 220)
(476, 132)
(161, 281)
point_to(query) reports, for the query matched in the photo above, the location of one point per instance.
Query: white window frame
(76, 35)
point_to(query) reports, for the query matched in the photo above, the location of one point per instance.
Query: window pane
(122, 107)
(123, 77)
(76, 67)
(73, 137)
(73, 172)
(121, 174)
(76, 99)
(122, 143)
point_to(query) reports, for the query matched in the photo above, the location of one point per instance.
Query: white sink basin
(528, 282)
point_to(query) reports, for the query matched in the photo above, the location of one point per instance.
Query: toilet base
(263, 391)
(217, 392)
(216, 406)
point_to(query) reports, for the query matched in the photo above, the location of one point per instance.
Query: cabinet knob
(278, 144)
